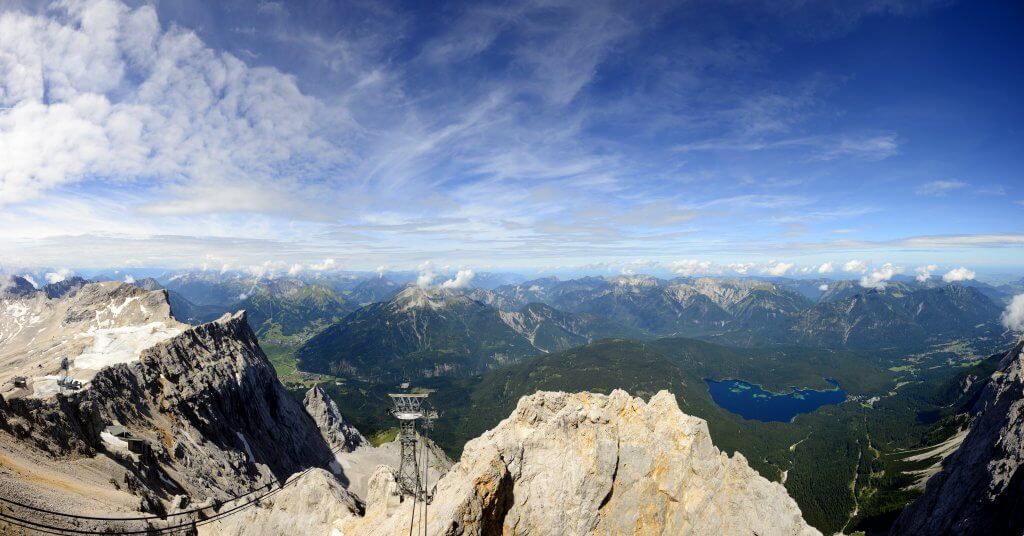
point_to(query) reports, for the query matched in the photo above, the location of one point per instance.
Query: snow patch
(112, 346)
(113, 441)
(116, 309)
(44, 386)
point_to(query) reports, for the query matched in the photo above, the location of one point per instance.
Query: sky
(706, 135)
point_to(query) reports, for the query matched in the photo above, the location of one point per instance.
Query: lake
(753, 402)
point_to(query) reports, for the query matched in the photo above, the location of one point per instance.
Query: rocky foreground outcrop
(586, 463)
(206, 403)
(980, 489)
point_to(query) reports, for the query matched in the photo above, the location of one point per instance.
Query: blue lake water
(753, 402)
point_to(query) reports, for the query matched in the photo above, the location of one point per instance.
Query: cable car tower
(408, 409)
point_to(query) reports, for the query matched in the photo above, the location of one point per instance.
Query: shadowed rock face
(980, 489)
(594, 464)
(335, 429)
(208, 404)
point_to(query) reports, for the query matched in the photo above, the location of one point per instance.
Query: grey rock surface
(980, 489)
(336, 431)
(576, 464)
(206, 403)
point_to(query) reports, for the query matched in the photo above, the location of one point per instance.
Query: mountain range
(431, 332)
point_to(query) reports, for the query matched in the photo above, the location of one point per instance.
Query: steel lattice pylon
(409, 409)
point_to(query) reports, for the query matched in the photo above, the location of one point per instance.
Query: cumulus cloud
(741, 267)
(327, 264)
(59, 275)
(129, 279)
(295, 269)
(777, 269)
(689, 267)
(463, 279)
(426, 275)
(259, 271)
(98, 89)
(823, 287)
(958, 274)
(855, 266)
(924, 273)
(878, 277)
(1013, 316)
(826, 268)
(937, 188)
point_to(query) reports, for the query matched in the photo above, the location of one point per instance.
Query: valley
(852, 433)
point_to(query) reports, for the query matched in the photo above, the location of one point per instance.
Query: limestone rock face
(205, 401)
(95, 326)
(337, 431)
(980, 489)
(587, 463)
(315, 505)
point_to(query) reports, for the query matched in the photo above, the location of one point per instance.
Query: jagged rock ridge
(206, 401)
(335, 429)
(980, 489)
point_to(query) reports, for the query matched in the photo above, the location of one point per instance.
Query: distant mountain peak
(416, 297)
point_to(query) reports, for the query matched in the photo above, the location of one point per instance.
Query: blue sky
(543, 135)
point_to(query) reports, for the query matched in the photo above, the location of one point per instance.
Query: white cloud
(259, 271)
(741, 267)
(689, 267)
(59, 275)
(637, 266)
(826, 268)
(937, 188)
(958, 274)
(295, 269)
(855, 266)
(426, 275)
(878, 277)
(129, 279)
(1013, 316)
(924, 273)
(30, 279)
(823, 287)
(777, 269)
(463, 279)
(327, 264)
(98, 91)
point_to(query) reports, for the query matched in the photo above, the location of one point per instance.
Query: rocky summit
(593, 464)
